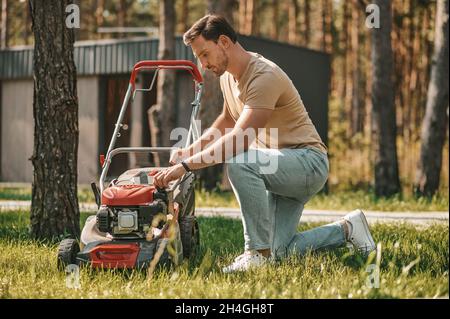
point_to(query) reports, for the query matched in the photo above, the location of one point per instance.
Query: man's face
(211, 55)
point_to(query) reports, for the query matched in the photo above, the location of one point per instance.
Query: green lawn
(339, 200)
(342, 200)
(414, 263)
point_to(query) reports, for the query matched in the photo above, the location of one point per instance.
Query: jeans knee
(236, 170)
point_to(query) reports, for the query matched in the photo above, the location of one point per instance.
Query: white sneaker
(249, 259)
(359, 233)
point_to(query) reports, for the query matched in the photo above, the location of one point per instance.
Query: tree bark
(4, 25)
(357, 100)
(122, 7)
(212, 100)
(27, 27)
(387, 181)
(99, 20)
(275, 24)
(436, 117)
(293, 16)
(242, 15)
(328, 26)
(162, 115)
(184, 15)
(54, 205)
(306, 25)
(224, 8)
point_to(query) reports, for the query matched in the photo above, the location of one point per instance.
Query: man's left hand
(162, 178)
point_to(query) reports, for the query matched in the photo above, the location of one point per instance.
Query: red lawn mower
(138, 225)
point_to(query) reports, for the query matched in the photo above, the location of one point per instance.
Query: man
(258, 95)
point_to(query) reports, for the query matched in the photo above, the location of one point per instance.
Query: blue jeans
(272, 187)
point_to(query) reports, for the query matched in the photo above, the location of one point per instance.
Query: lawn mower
(138, 225)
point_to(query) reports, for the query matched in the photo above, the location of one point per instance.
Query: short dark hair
(211, 27)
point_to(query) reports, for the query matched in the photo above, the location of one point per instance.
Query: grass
(413, 264)
(339, 200)
(342, 200)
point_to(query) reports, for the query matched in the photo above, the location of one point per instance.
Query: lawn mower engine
(136, 222)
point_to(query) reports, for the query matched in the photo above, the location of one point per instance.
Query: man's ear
(224, 41)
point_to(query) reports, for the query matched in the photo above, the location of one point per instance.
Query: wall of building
(17, 129)
(88, 97)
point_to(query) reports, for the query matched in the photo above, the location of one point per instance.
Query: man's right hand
(177, 156)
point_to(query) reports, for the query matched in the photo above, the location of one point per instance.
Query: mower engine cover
(128, 195)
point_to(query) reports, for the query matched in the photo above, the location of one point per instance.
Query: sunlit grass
(413, 264)
(342, 200)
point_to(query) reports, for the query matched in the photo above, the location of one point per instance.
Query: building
(103, 69)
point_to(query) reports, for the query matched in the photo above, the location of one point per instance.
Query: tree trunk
(242, 15)
(250, 17)
(27, 27)
(275, 24)
(327, 26)
(387, 181)
(122, 8)
(349, 60)
(184, 15)
(54, 206)
(224, 8)
(212, 100)
(99, 20)
(4, 25)
(436, 116)
(306, 25)
(357, 101)
(162, 115)
(293, 16)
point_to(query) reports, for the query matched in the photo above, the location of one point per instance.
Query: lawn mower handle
(166, 64)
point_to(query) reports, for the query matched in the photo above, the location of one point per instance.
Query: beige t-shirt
(265, 85)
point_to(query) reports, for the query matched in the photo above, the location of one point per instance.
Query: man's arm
(223, 121)
(250, 118)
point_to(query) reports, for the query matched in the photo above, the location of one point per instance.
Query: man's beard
(223, 65)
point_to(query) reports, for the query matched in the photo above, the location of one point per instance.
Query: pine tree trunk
(293, 16)
(162, 115)
(387, 181)
(275, 25)
(4, 29)
(184, 15)
(27, 27)
(436, 116)
(250, 17)
(99, 16)
(54, 206)
(306, 26)
(212, 100)
(327, 19)
(224, 8)
(122, 15)
(242, 15)
(357, 103)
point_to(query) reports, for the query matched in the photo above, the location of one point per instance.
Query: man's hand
(162, 178)
(178, 155)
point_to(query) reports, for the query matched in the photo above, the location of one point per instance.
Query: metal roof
(118, 56)
(92, 57)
